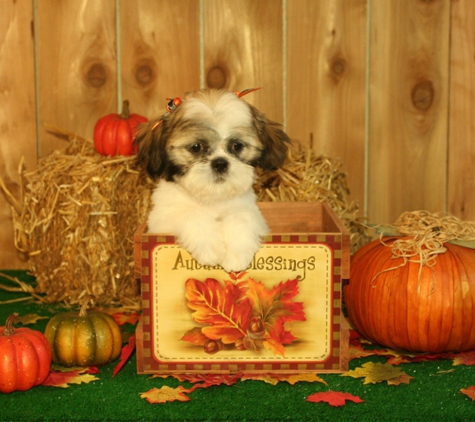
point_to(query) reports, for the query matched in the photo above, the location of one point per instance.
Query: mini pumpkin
(25, 357)
(84, 338)
(114, 134)
(403, 305)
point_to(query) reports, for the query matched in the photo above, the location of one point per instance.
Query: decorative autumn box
(282, 315)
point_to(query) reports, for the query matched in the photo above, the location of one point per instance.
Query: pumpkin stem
(85, 304)
(125, 110)
(8, 330)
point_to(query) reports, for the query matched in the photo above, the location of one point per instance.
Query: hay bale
(79, 211)
(309, 177)
(76, 223)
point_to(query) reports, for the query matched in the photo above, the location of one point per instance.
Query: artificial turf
(432, 394)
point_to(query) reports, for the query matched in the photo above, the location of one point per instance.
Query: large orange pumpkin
(409, 307)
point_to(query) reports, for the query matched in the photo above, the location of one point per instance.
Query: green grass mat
(432, 395)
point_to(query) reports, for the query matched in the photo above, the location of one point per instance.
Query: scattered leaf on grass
(165, 394)
(375, 372)
(125, 354)
(333, 398)
(29, 319)
(291, 379)
(63, 379)
(465, 358)
(470, 392)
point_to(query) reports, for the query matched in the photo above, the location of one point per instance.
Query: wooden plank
(159, 52)
(243, 49)
(326, 63)
(76, 66)
(461, 183)
(408, 107)
(17, 113)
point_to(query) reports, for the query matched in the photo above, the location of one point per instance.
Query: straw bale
(76, 222)
(309, 177)
(79, 210)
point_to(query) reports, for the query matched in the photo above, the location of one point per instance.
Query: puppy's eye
(196, 148)
(236, 146)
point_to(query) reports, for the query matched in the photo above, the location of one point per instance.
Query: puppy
(205, 150)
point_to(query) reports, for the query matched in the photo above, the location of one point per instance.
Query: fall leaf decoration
(379, 372)
(469, 392)
(333, 398)
(244, 315)
(62, 378)
(165, 394)
(125, 354)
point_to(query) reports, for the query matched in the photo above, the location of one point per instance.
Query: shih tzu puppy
(204, 151)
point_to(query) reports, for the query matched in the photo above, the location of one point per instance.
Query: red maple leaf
(125, 354)
(224, 310)
(333, 398)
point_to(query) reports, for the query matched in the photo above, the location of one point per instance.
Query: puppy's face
(211, 144)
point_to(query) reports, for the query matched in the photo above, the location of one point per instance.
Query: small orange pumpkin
(25, 357)
(114, 134)
(409, 307)
(84, 338)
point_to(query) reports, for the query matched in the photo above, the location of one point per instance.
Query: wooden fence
(387, 85)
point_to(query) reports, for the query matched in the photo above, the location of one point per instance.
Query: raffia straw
(425, 234)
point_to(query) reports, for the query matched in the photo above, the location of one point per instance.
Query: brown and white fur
(205, 154)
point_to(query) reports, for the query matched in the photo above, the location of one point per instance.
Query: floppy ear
(274, 140)
(151, 140)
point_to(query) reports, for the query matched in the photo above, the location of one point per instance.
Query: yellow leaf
(291, 379)
(375, 372)
(165, 394)
(29, 319)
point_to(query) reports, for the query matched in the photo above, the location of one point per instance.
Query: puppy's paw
(207, 251)
(238, 258)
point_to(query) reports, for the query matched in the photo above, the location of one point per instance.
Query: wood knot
(144, 73)
(337, 67)
(216, 78)
(422, 95)
(96, 75)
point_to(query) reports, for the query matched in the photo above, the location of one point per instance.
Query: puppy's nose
(220, 165)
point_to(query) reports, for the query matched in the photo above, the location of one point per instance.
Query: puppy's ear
(274, 140)
(151, 143)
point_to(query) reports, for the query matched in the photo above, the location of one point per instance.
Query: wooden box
(282, 315)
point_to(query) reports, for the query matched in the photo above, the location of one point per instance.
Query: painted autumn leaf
(333, 398)
(165, 394)
(469, 392)
(376, 372)
(224, 311)
(275, 307)
(195, 336)
(62, 379)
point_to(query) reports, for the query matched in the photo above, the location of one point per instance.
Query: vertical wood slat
(326, 71)
(159, 52)
(76, 66)
(461, 147)
(409, 72)
(243, 49)
(17, 112)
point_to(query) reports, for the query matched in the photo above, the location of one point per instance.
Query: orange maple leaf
(195, 336)
(62, 379)
(275, 308)
(469, 392)
(224, 310)
(165, 394)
